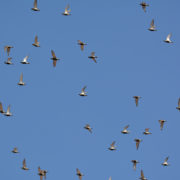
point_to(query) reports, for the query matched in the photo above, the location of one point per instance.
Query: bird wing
(24, 163)
(35, 3)
(25, 59)
(53, 54)
(126, 127)
(93, 54)
(144, 8)
(82, 47)
(152, 23)
(21, 77)
(166, 159)
(54, 63)
(39, 169)
(9, 59)
(113, 143)
(147, 129)
(179, 102)
(83, 89)
(36, 39)
(168, 36)
(94, 59)
(142, 174)
(1, 107)
(8, 109)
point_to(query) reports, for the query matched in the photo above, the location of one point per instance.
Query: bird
(125, 131)
(142, 176)
(112, 146)
(42, 173)
(81, 44)
(8, 48)
(168, 38)
(165, 163)
(162, 123)
(15, 150)
(24, 61)
(87, 126)
(93, 57)
(144, 5)
(36, 43)
(178, 105)
(137, 142)
(8, 113)
(24, 167)
(146, 132)
(1, 108)
(152, 26)
(83, 92)
(54, 58)
(8, 61)
(136, 99)
(79, 174)
(134, 163)
(21, 83)
(66, 11)
(35, 8)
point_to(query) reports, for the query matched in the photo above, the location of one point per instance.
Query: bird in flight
(178, 105)
(144, 5)
(112, 146)
(24, 167)
(142, 176)
(36, 43)
(88, 127)
(146, 132)
(8, 113)
(165, 163)
(81, 44)
(15, 150)
(42, 173)
(125, 131)
(152, 26)
(137, 142)
(134, 163)
(21, 83)
(83, 92)
(24, 61)
(93, 57)
(8, 48)
(168, 38)
(1, 108)
(162, 123)
(79, 174)
(54, 58)
(35, 8)
(66, 11)
(136, 99)
(8, 61)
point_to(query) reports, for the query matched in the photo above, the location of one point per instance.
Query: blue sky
(49, 116)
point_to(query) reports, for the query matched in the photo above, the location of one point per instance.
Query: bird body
(168, 38)
(137, 99)
(24, 61)
(88, 127)
(24, 167)
(79, 174)
(112, 146)
(137, 143)
(81, 44)
(134, 163)
(15, 150)
(21, 83)
(146, 132)
(36, 43)
(8, 48)
(54, 58)
(142, 176)
(8, 61)
(162, 124)
(125, 131)
(66, 11)
(83, 92)
(8, 113)
(152, 26)
(144, 5)
(165, 163)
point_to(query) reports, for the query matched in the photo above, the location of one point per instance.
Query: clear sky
(49, 115)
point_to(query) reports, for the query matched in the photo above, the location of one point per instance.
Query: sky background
(49, 115)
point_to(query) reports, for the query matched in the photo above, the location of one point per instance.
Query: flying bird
(24, 61)
(8, 48)
(21, 83)
(8, 61)
(142, 176)
(152, 26)
(42, 173)
(162, 123)
(178, 105)
(15, 150)
(136, 99)
(54, 58)
(35, 8)
(81, 44)
(134, 163)
(1, 108)
(165, 163)
(112, 146)
(137, 142)
(144, 5)
(125, 131)
(93, 57)
(8, 113)
(168, 38)
(66, 11)
(36, 43)
(83, 92)
(88, 127)
(24, 167)
(79, 174)
(146, 132)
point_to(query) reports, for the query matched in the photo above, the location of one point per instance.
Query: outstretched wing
(53, 54)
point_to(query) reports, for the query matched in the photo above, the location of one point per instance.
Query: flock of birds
(42, 173)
